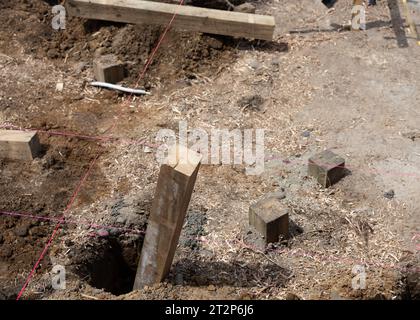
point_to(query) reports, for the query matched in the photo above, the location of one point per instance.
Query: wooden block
(187, 18)
(355, 13)
(270, 218)
(108, 69)
(327, 167)
(173, 193)
(19, 145)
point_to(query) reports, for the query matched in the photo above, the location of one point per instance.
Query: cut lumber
(173, 193)
(19, 145)
(108, 69)
(187, 18)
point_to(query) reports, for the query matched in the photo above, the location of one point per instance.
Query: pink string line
(126, 141)
(57, 227)
(67, 221)
(237, 243)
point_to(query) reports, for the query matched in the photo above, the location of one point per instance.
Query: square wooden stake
(173, 193)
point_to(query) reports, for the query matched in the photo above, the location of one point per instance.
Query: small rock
(179, 279)
(334, 295)
(215, 44)
(292, 296)
(254, 64)
(245, 8)
(389, 194)
(68, 243)
(103, 233)
(80, 67)
(21, 231)
(122, 219)
(280, 195)
(6, 251)
(147, 149)
(211, 288)
(53, 53)
(99, 52)
(59, 86)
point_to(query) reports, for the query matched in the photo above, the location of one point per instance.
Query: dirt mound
(181, 56)
(32, 202)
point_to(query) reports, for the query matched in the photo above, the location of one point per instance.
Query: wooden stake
(355, 14)
(19, 145)
(173, 193)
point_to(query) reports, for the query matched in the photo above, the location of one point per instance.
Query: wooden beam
(173, 193)
(187, 18)
(19, 145)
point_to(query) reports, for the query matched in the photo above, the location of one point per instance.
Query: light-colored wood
(354, 14)
(187, 18)
(410, 21)
(19, 145)
(173, 193)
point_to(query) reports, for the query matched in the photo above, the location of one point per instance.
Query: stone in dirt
(389, 194)
(108, 69)
(245, 8)
(270, 217)
(253, 103)
(327, 167)
(21, 231)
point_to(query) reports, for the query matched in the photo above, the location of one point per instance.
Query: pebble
(103, 233)
(215, 44)
(306, 133)
(21, 231)
(389, 194)
(53, 53)
(254, 64)
(59, 86)
(245, 8)
(6, 251)
(211, 288)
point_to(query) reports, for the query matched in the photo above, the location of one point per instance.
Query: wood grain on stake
(172, 197)
(19, 145)
(187, 17)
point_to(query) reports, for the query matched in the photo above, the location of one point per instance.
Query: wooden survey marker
(19, 145)
(186, 17)
(173, 193)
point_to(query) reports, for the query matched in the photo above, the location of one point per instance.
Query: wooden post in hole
(188, 18)
(173, 193)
